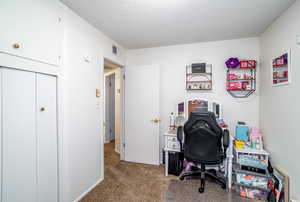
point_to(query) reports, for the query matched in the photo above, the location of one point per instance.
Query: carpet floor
(131, 182)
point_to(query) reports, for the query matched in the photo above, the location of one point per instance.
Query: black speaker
(175, 163)
(199, 68)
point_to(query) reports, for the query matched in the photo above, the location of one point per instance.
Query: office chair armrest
(180, 136)
(226, 139)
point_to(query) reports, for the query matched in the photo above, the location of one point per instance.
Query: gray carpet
(187, 191)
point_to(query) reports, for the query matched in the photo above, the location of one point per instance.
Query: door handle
(155, 121)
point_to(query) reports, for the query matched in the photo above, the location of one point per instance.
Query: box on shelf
(252, 193)
(252, 157)
(252, 179)
(247, 64)
(241, 132)
(239, 144)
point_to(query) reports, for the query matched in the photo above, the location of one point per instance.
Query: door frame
(122, 90)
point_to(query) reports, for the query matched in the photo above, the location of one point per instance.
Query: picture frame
(283, 191)
(281, 69)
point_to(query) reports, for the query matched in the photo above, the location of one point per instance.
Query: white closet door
(19, 136)
(47, 138)
(0, 132)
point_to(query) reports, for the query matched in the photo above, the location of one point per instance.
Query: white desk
(172, 144)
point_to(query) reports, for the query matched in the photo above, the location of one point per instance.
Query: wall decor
(199, 76)
(281, 69)
(241, 77)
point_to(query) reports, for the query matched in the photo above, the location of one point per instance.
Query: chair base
(203, 173)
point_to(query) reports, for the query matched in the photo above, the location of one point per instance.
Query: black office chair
(205, 143)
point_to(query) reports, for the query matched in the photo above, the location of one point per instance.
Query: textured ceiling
(150, 23)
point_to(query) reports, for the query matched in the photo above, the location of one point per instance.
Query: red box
(234, 86)
(247, 64)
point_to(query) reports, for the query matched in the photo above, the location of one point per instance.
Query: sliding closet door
(19, 136)
(47, 138)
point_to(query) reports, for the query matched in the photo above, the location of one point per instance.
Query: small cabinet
(31, 29)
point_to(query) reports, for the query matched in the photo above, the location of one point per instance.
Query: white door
(29, 137)
(110, 108)
(141, 109)
(46, 109)
(19, 136)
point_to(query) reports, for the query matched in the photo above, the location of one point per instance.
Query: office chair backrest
(203, 138)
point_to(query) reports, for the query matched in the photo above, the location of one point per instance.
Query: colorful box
(241, 132)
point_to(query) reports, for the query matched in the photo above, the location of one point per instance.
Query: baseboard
(87, 191)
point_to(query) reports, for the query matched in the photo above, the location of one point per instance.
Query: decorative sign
(281, 69)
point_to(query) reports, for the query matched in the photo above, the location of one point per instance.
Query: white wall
(279, 106)
(172, 61)
(83, 114)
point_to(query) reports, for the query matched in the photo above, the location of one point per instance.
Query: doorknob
(155, 121)
(16, 46)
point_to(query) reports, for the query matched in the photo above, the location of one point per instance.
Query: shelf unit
(199, 81)
(238, 184)
(245, 86)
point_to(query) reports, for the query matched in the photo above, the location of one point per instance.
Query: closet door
(1, 132)
(31, 29)
(19, 168)
(47, 138)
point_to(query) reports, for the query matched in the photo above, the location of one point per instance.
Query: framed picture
(280, 186)
(281, 69)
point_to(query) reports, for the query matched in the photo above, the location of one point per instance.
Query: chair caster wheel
(181, 178)
(201, 190)
(223, 186)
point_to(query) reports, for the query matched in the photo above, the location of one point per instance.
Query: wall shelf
(241, 82)
(199, 77)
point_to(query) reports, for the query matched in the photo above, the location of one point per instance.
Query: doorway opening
(113, 111)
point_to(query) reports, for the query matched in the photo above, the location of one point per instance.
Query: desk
(172, 145)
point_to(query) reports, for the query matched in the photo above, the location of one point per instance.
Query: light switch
(98, 94)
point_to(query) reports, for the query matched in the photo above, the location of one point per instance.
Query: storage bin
(252, 193)
(251, 180)
(252, 157)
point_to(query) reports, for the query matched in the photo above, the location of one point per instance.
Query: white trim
(122, 125)
(88, 190)
(16, 62)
